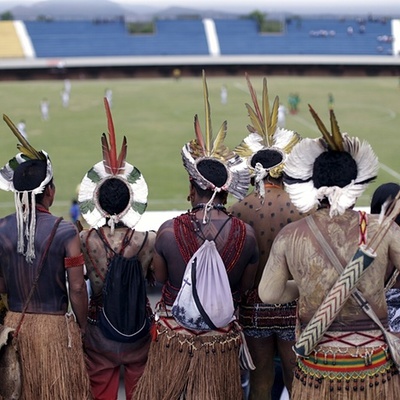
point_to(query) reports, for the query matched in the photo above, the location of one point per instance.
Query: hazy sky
(306, 6)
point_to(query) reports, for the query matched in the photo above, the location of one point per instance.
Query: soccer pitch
(156, 115)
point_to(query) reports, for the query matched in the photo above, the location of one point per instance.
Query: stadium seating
(10, 46)
(305, 36)
(90, 38)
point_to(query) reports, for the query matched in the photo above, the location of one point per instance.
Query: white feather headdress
(206, 147)
(298, 171)
(265, 137)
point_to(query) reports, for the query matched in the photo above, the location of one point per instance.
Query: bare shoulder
(165, 227)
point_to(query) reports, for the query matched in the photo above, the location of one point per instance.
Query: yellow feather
(25, 148)
(336, 135)
(266, 114)
(208, 116)
(273, 122)
(218, 146)
(253, 95)
(327, 136)
(257, 123)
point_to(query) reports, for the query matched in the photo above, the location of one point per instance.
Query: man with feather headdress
(269, 328)
(112, 198)
(41, 271)
(189, 363)
(342, 353)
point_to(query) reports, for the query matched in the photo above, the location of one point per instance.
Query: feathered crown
(265, 137)
(206, 148)
(25, 200)
(112, 166)
(299, 169)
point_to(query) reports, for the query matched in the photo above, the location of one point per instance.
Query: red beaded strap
(77, 261)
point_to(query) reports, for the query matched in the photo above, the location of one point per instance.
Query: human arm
(249, 274)
(276, 286)
(159, 262)
(76, 282)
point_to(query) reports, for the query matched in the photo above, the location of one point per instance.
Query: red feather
(112, 151)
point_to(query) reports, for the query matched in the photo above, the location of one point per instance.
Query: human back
(53, 273)
(96, 253)
(307, 261)
(175, 262)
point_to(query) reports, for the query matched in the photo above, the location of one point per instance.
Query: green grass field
(156, 115)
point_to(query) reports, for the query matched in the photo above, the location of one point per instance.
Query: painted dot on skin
(281, 209)
(261, 216)
(251, 223)
(291, 211)
(289, 220)
(239, 214)
(251, 206)
(270, 203)
(246, 202)
(272, 215)
(262, 233)
(288, 204)
(272, 229)
(262, 252)
(281, 225)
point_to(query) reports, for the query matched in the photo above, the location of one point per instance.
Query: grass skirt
(184, 365)
(346, 377)
(52, 358)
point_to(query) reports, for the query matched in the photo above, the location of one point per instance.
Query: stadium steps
(10, 45)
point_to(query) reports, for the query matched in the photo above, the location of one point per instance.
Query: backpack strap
(222, 227)
(144, 241)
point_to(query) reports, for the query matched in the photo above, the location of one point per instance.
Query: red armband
(77, 261)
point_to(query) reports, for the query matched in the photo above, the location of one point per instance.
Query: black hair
(382, 193)
(29, 175)
(214, 171)
(114, 196)
(268, 158)
(334, 168)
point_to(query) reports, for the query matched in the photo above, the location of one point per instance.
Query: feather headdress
(112, 166)
(265, 138)
(299, 169)
(205, 147)
(25, 200)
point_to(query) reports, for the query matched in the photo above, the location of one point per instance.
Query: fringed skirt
(339, 375)
(52, 359)
(185, 365)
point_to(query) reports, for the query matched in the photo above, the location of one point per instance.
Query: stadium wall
(163, 66)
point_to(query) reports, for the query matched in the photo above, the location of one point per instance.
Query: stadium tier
(192, 37)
